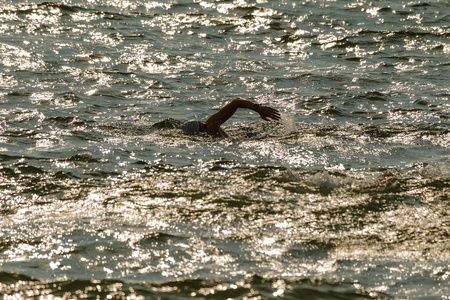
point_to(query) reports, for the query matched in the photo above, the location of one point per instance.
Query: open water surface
(346, 198)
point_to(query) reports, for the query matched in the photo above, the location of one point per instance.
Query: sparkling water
(102, 196)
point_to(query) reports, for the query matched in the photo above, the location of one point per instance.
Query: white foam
(288, 121)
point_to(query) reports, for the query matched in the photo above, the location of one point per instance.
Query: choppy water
(102, 196)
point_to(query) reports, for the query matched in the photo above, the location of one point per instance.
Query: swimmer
(213, 123)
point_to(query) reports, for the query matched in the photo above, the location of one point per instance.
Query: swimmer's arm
(216, 120)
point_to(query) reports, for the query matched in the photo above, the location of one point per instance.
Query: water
(346, 198)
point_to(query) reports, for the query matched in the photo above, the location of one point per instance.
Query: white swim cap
(191, 127)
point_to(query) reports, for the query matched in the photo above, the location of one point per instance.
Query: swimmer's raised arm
(216, 120)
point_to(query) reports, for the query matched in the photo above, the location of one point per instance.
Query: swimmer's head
(191, 127)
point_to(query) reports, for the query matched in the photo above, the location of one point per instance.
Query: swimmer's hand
(213, 122)
(268, 113)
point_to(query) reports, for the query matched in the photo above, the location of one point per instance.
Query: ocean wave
(101, 194)
(254, 286)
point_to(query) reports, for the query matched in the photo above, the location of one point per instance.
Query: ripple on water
(101, 195)
(253, 286)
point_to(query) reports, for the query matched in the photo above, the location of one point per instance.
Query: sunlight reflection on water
(102, 196)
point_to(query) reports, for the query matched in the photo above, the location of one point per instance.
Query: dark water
(346, 198)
